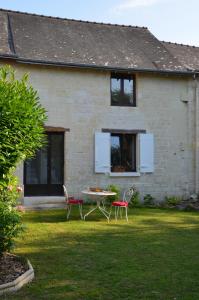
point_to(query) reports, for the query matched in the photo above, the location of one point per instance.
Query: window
(115, 152)
(123, 152)
(123, 90)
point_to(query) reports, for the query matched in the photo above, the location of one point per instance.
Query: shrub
(135, 199)
(10, 226)
(113, 188)
(172, 200)
(21, 134)
(21, 122)
(149, 200)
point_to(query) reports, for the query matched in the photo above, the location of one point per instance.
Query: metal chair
(70, 201)
(119, 205)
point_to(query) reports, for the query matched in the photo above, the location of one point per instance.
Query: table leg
(105, 213)
(90, 211)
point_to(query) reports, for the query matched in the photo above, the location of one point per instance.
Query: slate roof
(48, 40)
(187, 55)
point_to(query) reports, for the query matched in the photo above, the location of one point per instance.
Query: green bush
(135, 199)
(149, 200)
(10, 226)
(113, 188)
(21, 122)
(172, 200)
(21, 134)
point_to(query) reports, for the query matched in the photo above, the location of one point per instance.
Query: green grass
(154, 256)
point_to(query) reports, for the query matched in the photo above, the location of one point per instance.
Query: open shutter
(146, 153)
(102, 152)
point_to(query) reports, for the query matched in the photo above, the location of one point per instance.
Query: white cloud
(129, 4)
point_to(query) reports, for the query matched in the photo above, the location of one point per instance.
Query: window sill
(124, 174)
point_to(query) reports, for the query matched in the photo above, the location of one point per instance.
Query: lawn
(154, 256)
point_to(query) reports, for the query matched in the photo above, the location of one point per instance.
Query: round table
(99, 198)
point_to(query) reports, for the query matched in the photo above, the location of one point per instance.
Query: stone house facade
(122, 106)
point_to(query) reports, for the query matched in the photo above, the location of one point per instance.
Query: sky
(169, 20)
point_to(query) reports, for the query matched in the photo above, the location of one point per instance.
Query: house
(123, 107)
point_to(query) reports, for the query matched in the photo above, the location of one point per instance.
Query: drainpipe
(196, 136)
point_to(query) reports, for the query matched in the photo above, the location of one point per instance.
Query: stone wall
(80, 100)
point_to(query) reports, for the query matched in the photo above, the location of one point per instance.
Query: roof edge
(66, 19)
(179, 44)
(98, 67)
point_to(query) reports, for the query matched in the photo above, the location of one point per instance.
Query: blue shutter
(146, 153)
(102, 152)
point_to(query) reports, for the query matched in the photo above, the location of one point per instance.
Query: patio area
(154, 256)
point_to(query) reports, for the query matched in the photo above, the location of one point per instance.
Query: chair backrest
(128, 194)
(65, 192)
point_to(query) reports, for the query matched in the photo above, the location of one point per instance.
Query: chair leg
(68, 213)
(80, 211)
(116, 213)
(110, 212)
(121, 212)
(126, 208)
(117, 209)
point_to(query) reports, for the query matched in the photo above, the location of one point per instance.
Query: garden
(152, 256)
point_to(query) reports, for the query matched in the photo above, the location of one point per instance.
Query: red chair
(70, 201)
(123, 204)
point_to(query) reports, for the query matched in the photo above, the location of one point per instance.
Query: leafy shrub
(148, 200)
(10, 226)
(21, 134)
(10, 194)
(172, 200)
(21, 122)
(113, 188)
(135, 199)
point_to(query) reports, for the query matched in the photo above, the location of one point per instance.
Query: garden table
(99, 198)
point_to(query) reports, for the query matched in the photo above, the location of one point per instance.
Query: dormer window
(123, 90)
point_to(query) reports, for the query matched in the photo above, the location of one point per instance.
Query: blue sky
(169, 20)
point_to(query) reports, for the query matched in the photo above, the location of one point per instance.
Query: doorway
(44, 174)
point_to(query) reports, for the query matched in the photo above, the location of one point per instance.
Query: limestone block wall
(80, 100)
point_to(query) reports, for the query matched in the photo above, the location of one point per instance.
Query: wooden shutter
(146, 153)
(102, 152)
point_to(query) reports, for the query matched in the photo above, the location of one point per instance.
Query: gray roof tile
(187, 55)
(56, 40)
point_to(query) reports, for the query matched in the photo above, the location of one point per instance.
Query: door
(44, 174)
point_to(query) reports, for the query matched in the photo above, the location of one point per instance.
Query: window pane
(123, 153)
(57, 161)
(115, 91)
(36, 168)
(128, 91)
(115, 153)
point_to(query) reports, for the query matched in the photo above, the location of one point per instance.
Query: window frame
(122, 77)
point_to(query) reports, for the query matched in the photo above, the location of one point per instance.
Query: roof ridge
(60, 18)
(179, 44)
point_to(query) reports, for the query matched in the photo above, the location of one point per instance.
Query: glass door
(44, 174)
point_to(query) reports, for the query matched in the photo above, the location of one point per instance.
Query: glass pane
(57, 162)
(115, 90)
(123, 153)
(116, 158)
(127, 153)
(128, 91)
(36, 168)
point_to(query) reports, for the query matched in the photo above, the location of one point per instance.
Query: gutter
(189, 72)
(10, 56)
(95, 67)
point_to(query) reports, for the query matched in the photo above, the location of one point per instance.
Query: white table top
(103, 193)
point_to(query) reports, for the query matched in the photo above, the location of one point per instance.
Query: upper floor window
(123, 90)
